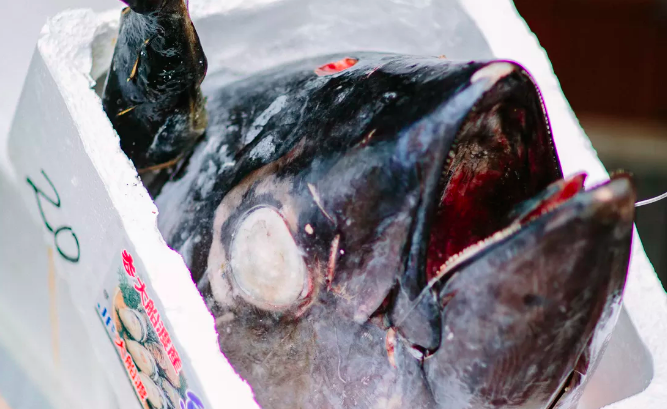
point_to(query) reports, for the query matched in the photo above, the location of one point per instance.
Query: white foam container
(51, 335)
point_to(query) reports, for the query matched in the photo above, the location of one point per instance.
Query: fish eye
(266, 263)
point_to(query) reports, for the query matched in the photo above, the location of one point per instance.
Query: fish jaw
(518, 315)
(502, 155)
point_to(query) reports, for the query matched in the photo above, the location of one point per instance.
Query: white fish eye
(266, 263)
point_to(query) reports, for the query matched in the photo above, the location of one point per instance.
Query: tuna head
(340, 250)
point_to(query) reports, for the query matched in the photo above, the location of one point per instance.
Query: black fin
(152, 94)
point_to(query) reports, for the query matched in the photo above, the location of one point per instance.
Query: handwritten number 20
(67, 230)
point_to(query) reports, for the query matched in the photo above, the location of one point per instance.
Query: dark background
(611, 59)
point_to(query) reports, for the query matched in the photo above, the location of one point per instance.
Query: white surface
(22, 21)
(50, 351)
(99, 184)
(107, 205)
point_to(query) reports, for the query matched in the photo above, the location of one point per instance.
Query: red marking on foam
(336, 66)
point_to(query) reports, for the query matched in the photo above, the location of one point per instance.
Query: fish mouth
(616, 194)
(500, 175)
(501, 178)
(502, 172)
(555, 196)
(503, 155)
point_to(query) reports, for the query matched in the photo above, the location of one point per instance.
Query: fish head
(330, 260)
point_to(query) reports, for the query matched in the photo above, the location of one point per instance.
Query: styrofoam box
(50, 333)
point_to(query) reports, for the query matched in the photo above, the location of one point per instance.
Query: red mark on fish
(336, 66)
(390, 344)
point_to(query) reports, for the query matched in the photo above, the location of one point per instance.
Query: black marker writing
(66, 230)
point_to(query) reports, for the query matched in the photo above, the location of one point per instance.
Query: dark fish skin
(393, 126)
(378, 174)
(152, 95)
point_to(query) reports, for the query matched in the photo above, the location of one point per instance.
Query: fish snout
(518, 314)
(614, 202)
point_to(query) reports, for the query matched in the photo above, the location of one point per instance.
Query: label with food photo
(142, 339)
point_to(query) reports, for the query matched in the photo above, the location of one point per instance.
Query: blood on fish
(390, 344)
(336, 66)
(570, 188)
(497, 161)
